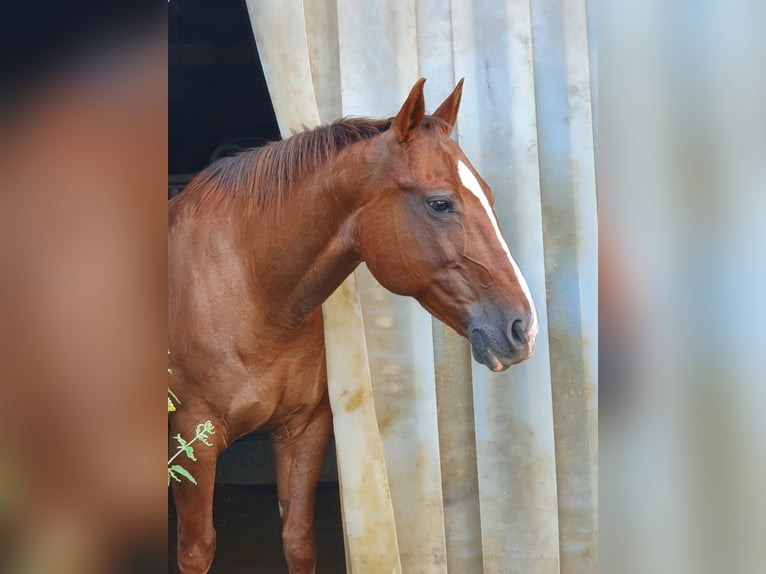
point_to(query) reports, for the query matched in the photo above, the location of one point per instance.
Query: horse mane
(261, 179)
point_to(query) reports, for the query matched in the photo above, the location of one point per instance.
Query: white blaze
(468, 179)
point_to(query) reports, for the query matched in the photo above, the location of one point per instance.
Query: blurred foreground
(682, 284)
(83, 154)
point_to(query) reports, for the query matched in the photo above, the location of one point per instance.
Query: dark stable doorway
(218, 101)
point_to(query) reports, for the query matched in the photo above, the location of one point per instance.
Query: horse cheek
(384, 251)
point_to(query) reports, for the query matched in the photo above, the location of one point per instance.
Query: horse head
(429, 230)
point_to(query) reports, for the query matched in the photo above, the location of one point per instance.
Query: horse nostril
(519, 335)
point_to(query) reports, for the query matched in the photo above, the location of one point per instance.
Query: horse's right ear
(410, 116)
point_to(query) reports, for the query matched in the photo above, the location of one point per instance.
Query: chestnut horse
(257, 242)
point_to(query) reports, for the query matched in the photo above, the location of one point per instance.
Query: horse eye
(440, 204)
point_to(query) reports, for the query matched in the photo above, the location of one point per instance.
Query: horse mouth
(485, 350)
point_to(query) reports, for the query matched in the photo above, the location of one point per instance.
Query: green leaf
(172, 475)
(183, 472)
(188, 450)
(171, 406)
(185, 447)
(203, 430)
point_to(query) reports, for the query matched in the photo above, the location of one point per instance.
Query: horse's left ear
(449, 108)
(410, 116)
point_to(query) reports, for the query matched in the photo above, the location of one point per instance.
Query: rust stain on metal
(356, 400)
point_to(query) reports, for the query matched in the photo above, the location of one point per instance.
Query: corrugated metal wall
(486, 472)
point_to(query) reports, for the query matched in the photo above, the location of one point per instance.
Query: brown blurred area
(620, 309)
(83, 159)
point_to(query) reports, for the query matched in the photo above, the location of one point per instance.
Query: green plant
(171, 406)
(202, 434)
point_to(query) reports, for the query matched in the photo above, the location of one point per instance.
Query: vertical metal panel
(592, 23)
(434, 44)
(280, 35)
(457, 445)
(514, 426)
(367, 511)
(567, 175)
(324, 56)
(379, 64)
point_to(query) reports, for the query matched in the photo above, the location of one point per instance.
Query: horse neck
(306, 252)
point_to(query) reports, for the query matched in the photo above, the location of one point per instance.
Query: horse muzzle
(499, 347)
